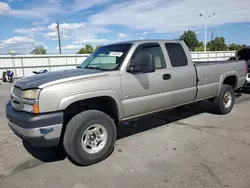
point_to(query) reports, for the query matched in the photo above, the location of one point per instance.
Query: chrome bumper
(48, 132)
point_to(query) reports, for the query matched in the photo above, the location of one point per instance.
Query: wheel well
(105, 104)
(231, 80)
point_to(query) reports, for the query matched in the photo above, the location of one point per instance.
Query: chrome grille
(17, 92)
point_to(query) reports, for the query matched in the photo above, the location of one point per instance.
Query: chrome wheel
(94, 139)
(227, 100)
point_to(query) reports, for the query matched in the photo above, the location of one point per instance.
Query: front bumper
(42, 130)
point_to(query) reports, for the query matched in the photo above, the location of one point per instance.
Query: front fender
(70, 99)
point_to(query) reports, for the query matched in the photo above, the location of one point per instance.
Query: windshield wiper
(96, 68)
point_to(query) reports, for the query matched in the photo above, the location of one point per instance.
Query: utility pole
(212, 35)
(59, 38)
(205, 39)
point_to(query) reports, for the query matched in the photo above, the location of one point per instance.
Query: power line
(59, 38)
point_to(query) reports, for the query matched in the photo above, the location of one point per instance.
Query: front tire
(89, 137)
(224, 102)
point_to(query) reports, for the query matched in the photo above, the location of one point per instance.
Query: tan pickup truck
(80, 108)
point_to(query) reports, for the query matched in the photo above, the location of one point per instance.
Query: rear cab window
(177, 55)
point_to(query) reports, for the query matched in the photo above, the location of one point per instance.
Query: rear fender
(223, 77)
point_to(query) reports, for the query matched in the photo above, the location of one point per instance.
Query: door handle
(166, 76)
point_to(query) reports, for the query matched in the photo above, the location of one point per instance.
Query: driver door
(144, 93)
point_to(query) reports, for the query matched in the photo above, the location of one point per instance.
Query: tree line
(87, 49)
(190, 38)
(217, 44)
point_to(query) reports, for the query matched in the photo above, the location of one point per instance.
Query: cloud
(4, 8)
(18, 39)
(90, 40)
(71, 47)
(39, 23)
(66, 30)
(161, 16)
(46, 9)
(122, 35)
(85, 4)
(76, 32)
(19, 44)
(15, 0)
(34, 11)
(29, 31)
(65, 27)
(51, 35)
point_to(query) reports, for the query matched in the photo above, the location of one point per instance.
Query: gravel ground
(187, 147)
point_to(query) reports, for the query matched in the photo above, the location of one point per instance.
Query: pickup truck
(79, 108)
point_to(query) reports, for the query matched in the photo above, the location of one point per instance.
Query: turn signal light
(35, 108)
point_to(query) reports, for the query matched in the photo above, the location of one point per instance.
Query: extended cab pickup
(81, 107)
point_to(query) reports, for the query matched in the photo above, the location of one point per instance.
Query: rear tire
(224, 102)
(4, 78)
(83, 133)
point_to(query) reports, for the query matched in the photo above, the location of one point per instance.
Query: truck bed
(209, 75)
(202, 63)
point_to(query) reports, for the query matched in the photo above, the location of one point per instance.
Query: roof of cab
(146, 40)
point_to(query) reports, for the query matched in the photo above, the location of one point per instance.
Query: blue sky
(26, 24)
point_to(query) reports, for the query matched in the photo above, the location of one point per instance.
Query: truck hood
(37, 80)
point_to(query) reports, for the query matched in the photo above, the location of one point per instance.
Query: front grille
(16, 105)
(17, 92)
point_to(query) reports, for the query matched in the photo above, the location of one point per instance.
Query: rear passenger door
(183, 74)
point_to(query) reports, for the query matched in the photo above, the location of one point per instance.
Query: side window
(176, 54)
(153, 49)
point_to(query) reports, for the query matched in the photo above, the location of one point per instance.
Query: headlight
(32, 94)
(32, 108)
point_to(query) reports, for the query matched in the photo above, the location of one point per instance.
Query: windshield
(108, 57)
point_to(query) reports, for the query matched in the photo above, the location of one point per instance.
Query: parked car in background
(244, 54)
(81, 107)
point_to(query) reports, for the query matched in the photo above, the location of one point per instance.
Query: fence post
(22, 66)
(66, 61)
(49, 63)
(14, 67)
(76, 60)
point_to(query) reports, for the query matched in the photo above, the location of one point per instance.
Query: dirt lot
(187, 147)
